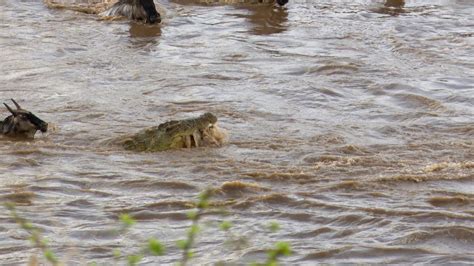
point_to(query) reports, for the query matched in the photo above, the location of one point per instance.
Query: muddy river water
(351, 125)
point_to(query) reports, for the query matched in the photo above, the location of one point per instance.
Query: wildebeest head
(152, 16)
(22, 123)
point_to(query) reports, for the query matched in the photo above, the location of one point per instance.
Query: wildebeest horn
(16, 104)
(9, 109)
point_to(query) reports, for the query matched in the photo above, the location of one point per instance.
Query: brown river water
(351, 125)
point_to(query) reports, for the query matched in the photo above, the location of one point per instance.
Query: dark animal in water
(234, 2)
(135, 9)
(21, 123)
(144, 10)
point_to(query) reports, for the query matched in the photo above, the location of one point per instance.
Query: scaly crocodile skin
(193, 132)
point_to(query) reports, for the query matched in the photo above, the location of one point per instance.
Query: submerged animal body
(133, 9)
(21, 123)
(188, 133)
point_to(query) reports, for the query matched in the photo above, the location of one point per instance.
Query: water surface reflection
(265, 20)
(141, 30)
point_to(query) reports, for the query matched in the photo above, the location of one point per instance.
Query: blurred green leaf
(134, 259)
(194, 229)
(27, 226)
(190, 254)
(127, 220)
(283, 248)
(155, 247)
(274, 226)
(33, 240)
(182, 244)
(49, 255)
(44, 242)
(205, 195)
(203, 204)
(117, 253)
(204, 199)
(225, 225)
(192, 215)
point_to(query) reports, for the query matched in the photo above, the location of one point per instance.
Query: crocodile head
(207, 119)
(178, 128)
(22, 123)
(188, 133)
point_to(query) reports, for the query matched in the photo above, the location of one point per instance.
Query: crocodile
(175, 134)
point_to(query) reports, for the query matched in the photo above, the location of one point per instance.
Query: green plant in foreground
(280, 249)
(187, 244)
(225, 225)
(274, 226)
(153, 246)
(127, 221)
(35, 235)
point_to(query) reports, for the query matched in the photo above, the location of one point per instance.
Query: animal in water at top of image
(391, 7)
(395, 3)
(143, 10)
(188, 133)
(233, 2)
(21, 124)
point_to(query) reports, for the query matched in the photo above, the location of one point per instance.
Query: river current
(351, 125)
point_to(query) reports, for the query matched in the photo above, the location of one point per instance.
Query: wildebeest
(21, 123)
(231, 2)
(144, 10)
(135, 9)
